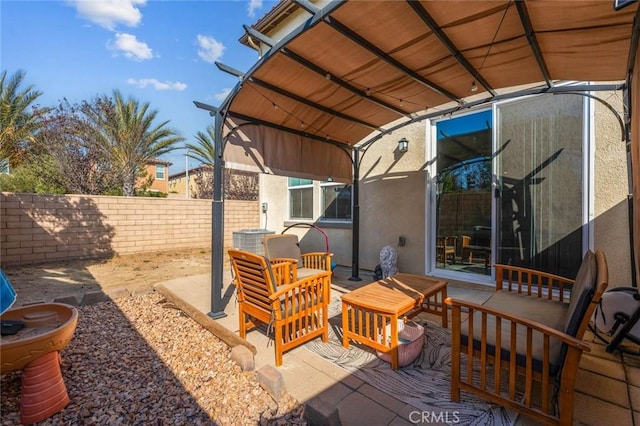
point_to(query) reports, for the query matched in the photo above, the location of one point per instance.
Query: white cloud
(156, 84)
(110, 13)
(253, 6)
(129, 46)
(221, 96)
(210, 49)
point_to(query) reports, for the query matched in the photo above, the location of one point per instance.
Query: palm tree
(124, 131)
(238, 185)
(204, 151)
(17, 123)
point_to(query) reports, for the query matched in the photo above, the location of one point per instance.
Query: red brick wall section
(45, 228)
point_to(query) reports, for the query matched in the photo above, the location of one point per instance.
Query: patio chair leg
(243, 325)
(278, 345)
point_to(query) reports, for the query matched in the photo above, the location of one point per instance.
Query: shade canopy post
(355, 239)
(217, 223)
(635, 166)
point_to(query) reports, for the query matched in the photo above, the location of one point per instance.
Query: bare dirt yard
(139, 360)
(138, 273)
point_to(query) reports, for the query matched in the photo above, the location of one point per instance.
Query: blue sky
(160, 52)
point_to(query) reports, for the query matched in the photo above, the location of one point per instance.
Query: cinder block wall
(45, 228)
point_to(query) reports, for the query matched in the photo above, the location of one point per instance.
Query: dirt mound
(135, 272)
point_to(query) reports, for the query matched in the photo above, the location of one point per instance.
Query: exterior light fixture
(474, 88)
(403, 145)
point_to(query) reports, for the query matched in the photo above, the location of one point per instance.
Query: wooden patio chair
(530, 335)
(286, 248)
(298, 311)
(445, 247)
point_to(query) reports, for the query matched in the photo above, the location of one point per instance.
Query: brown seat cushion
(581, 293)
(285, 245)
(551, 313)
(305, 272)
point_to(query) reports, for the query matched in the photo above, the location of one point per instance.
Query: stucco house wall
(161, 185)
(611, 187)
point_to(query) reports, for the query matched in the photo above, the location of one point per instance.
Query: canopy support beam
(533, 42)
(289, 130)
(336, 80)
(257, 34)
(446, 41)
(468, 105)
(312, 104)
(308, 6)
(362, 42)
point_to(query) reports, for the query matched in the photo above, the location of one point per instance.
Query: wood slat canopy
(354, 67)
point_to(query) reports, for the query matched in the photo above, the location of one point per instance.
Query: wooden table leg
(443, 296)
(394, 342)
(345, 325)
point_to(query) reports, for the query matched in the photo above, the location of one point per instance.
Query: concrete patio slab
(607, 387)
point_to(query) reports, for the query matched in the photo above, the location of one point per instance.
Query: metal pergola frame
(355, 153)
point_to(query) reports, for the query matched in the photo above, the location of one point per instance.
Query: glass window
(160, 171)
(336, 201)
(463, 203)
(4, 165)
(300, 198)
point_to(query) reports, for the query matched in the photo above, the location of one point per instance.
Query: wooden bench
(530, 329)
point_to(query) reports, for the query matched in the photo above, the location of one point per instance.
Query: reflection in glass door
(540, 170)
(463, 202)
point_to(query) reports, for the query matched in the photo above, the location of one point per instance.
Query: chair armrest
(528, 367)
(529, 324)
(531, 282)
(276, 260)
(317, 260)
(281, 269)
(318, 283)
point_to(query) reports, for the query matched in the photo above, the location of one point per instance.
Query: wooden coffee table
(367, 311)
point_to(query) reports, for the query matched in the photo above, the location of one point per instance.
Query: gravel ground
(141, 361)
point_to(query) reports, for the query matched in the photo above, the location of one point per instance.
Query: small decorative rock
(69, 300)
(117, 293)
(143, 289)
(243, 357)
(272, 381)
(319, 412)
(92, 297)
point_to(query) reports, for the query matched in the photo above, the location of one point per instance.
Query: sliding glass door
(463, 201)
(540, 175)
(511, 187)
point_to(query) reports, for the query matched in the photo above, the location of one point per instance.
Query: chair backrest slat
(253, 278)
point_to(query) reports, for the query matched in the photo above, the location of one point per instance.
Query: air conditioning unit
(250, 240)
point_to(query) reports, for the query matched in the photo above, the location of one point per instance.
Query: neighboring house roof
(159, 161)
(195, 169)
(271, 20)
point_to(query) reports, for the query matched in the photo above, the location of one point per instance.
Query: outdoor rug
(424, 384)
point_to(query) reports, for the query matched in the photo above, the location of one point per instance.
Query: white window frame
(322, 206)
(162, 166)
(303, 186)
